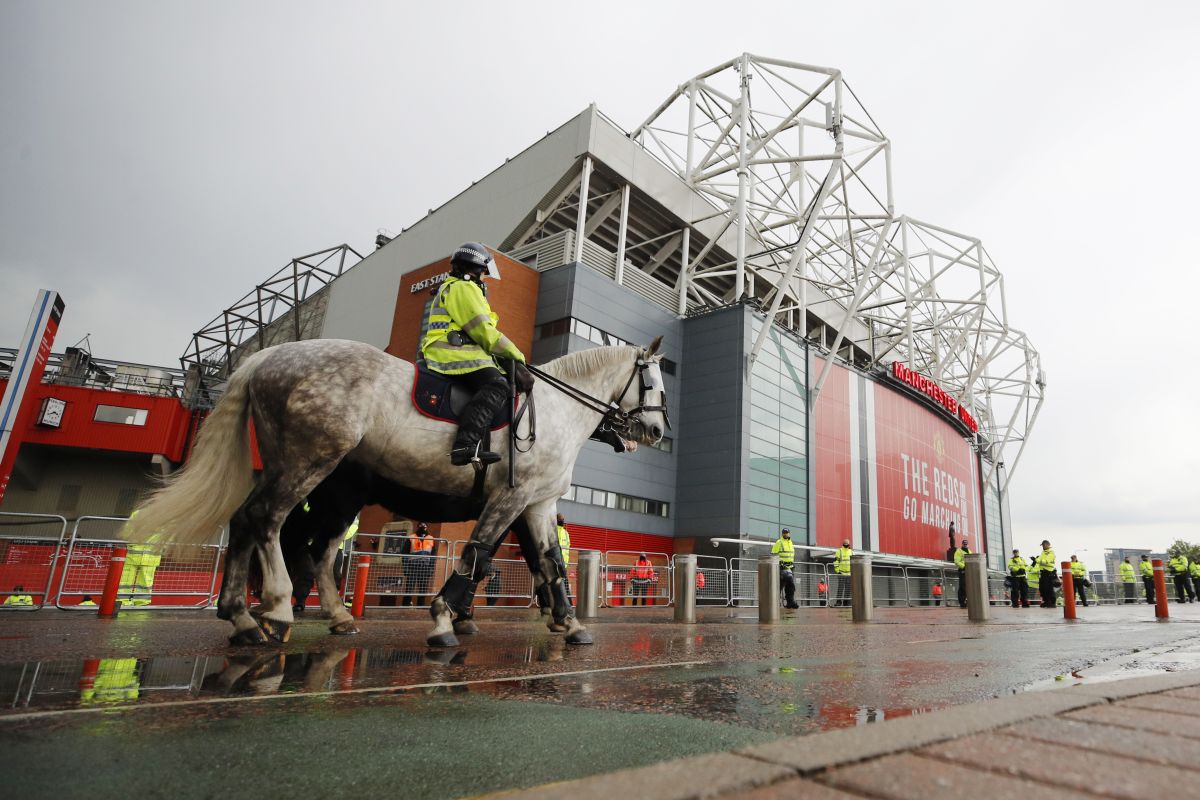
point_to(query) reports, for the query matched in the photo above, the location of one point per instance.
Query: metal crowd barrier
(185, 576)
(743, 581)
(622, 587)
(510, 579)
(397, 574)
(30, 553)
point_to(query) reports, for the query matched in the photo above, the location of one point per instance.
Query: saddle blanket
(437, 397)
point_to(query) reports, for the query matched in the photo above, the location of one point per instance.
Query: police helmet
(474, 257)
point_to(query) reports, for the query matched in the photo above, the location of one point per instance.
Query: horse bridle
(614, 418)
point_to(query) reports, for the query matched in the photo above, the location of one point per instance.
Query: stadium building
(833, 366)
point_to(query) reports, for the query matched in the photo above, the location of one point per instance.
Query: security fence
(628, 581)
(154, 576)
(410, 570)
(30, 547)
(42, 563)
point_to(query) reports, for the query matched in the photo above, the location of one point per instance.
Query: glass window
(121, 415)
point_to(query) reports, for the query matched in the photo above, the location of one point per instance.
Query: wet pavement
(159, 698)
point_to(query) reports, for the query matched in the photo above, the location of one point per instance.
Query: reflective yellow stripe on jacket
(1126, 571)
(1045, 561)
(461, 307)
(1078, 569)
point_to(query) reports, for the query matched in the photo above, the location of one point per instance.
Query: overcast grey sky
(159, 159)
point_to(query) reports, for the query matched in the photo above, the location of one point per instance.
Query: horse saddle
(438, 397)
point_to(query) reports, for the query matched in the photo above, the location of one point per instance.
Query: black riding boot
(474, 421)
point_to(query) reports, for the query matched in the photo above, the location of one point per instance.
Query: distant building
(1114, 556)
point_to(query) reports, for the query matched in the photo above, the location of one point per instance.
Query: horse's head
(645, 400)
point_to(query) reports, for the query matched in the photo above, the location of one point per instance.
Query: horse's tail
(198, 499)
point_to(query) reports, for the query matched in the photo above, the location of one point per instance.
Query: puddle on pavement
(791, 699)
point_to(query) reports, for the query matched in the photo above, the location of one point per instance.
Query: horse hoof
(465, 627)
(442, 640)
(558, 627)
(346, 628)
(279, 631)
(580, 637)
(250, 636)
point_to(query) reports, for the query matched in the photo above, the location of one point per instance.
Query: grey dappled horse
(317, 402)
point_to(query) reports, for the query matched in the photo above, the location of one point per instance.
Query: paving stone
(682, 779)
(1140, 719)
(1045, 762)
(907, 776)
(847, 745)
(794, 789)
(1161, 702)
(1132, 687)
(1157, 748)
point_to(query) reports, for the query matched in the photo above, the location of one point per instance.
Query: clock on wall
(51, 415)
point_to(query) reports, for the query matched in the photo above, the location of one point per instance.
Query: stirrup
(462, 456)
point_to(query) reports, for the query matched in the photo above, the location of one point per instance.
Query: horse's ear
(654, 346)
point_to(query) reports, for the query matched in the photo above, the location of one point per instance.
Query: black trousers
(788, 581)
(962, 588)
(1019, 591)
(1080, 591)
(1129, 598)
(1046, 589)
(1183, 587)
(490, 389)
(1148, 582)
(843, 589)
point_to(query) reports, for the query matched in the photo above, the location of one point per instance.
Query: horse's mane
(584, 363)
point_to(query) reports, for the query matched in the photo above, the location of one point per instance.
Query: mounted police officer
(464, 344)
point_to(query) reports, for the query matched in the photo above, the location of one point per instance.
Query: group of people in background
(1044, 569)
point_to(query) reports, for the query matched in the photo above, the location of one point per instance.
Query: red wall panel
(831, 457)
(165, 431)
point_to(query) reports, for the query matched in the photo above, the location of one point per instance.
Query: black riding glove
(523, 378)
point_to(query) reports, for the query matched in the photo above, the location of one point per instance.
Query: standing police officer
(463, 344)
(1020, 583)
(841, 569)
(960, 561)
(1079, 574)
(1147, 569)
(1127, 579)
(1183, 585)
(1046, 570)
(786, 551)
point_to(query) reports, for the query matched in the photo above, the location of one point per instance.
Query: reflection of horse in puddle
(273, 673)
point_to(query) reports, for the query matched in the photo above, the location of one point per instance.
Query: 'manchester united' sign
(936, 393)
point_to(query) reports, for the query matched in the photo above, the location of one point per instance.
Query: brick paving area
(1133, 738)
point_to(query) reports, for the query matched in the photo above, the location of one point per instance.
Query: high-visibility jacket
(699, 580)
(1078, 569)
(1016, 567)
(1147, 568)
(1179, 565)
(937, 590)
(1046, 563)
(960, 558)
(137, 577)
(564, 543)
(87, 603)
(1126, 570)
(422, 545)
(460, 312)
(18, 600)
(841, 560)
(786, 550)
(116, 680)
(1195, 569)
(348, 536)
(643, 569)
